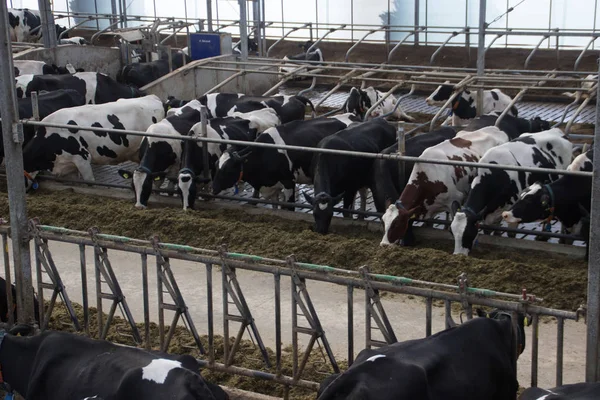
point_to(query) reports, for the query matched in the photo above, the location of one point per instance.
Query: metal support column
(374, 310)
(257, 24)
(209, 18)
(243, 30)
(417, 22)
(48, 29)
(481, 52)
(13, 154)
(592, 364)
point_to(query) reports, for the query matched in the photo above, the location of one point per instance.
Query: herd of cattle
(471, 195)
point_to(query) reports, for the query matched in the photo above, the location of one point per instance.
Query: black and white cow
(360, 101)
(387, 183)
(272, 171)
(142, 73)
(104, 370)
(243, 127)
(575, 391)
(338, 177)
(464, 106)
(289, 108)
(315, 56)
(5, 309)
(96, 87)
(78, 40)
(25, 25)
(48, 103)
(434, 188)
(567, 199)
(252, 46)
(32, 67)
(63, 151)
(159, 157)
(475, 360)
(494, 191)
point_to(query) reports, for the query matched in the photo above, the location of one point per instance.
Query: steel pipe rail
(372, 31)
(576, 113)
(381, 100)
(319, 150)
(398, 101)
(62, 34)
(319, 40)
(96, 35)
(530, 56)
(342, 82)
(580, 57)
(457, 90)
(498, 36)
(400, 43)
(453, 35)
(309, 24)
(233, 23)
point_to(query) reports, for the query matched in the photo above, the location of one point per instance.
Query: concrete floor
(407, 315)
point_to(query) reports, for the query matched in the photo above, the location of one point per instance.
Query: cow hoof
(541, 238)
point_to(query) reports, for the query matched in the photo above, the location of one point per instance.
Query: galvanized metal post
(481, 52)
(124, 14)
(416, 35)
(47, 30)
(209, 18)
(592, 361)
(256, 23)
(243, 30)
(13, 154)
(113, 10)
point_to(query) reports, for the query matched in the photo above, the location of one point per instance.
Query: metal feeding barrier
(305, 315)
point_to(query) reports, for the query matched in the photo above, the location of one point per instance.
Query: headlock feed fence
(305, 316)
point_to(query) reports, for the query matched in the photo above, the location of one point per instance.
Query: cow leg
(255, 195)
(363, 193)
(348, 203)
(290, 196)
(85, 169)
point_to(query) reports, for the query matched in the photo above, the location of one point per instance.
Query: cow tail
(306, 101)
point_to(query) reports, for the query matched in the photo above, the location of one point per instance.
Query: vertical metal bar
(124, 14)
(352, 19)
(48, 30)
(426, 21)
(98, 289)
(243, 30)
(7, 274)
(592, 369)
(467, 31)
(448, 313)
(204, 133)
(146, 301)
(154, 7)
(282, 20)
(550, 22)
(113, 8)
(96, 9)
(209, 19)
(317, 16)
(225, 314)
(161, 311)
(84, 290)
(388, 34)
(416, 35)
(277, 281)
(13, 154)
(367, 321)
(401, 150)
(350, 291)
(210, 314)
(35, 107)
(534, 349)
(428, 312)
(560, 340)
(40, 285)
(506, 26)
(294, 330)
(481, 52)
(595, 13)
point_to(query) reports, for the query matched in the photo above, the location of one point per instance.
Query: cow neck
(321, 178)
(567, 191)
(411, 196)
(17, 355)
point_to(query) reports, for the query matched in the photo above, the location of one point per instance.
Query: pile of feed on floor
(560, 280)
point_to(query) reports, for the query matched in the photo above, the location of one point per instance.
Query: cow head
(229, 169)
(396, 221)
(535, 203)
(440, 95)
(523, 320)
(465, 228)
(306, 45)
(358, 102)
(322, 209)
(172, 102)
(141, 181)
(186, 187)
(59, 30)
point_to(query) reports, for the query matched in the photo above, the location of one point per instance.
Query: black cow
(359, 101)
(142, 73)
(341, 176)
(48, 103)
(387, 185)
(65, 366)
(475, 360)
(567, 199)
(96, 87)
(252, 46)
(160, 157)
(289, 108)
(576, 391)
(5, 309)
(271, 171)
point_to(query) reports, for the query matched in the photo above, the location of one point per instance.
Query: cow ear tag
(35, 186)
(126, 175)
(157, 178)
(8, 396)
(526, 322)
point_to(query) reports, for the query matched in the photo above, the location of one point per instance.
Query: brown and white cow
(435, 188)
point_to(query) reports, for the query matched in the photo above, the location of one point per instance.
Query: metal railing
(304, 311)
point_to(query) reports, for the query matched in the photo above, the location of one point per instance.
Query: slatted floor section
(547, 111)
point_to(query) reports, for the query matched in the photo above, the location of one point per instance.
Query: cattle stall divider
(300, 275)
